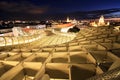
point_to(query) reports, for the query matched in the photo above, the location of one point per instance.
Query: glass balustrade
(2, 41)
(9, 40)
(5, 41)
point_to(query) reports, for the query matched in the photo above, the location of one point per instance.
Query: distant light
(28, 27)
(17, 21)
(1, 34)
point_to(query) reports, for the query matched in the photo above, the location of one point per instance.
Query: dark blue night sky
(35, 7)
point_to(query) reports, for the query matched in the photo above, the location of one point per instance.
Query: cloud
(22, 7)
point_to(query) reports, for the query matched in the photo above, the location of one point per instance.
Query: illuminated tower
(108, 23)
(101, 21)
(68, 20)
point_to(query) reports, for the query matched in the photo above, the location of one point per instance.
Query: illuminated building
(68, 20)
(101, 22)
(93, 24)
(74, 21)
